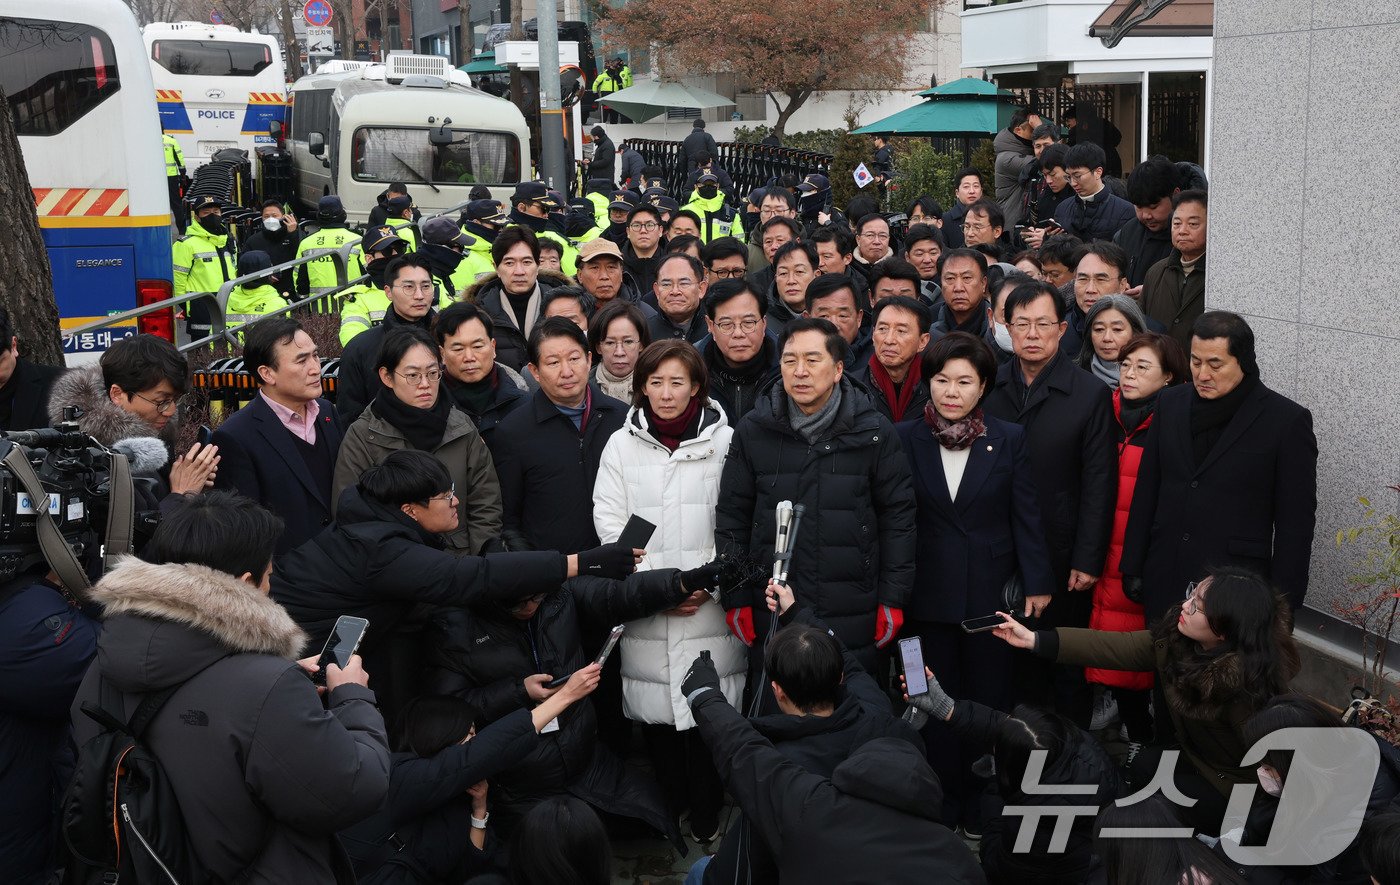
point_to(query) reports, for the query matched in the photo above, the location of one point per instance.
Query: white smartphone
(911, 658)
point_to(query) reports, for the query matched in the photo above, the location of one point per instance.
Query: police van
(84, 109)
(413, 119)
(217, 87)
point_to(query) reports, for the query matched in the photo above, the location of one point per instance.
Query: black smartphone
(982, 625)
(343, 642)
(636, 533)
(206, 434)
(911, 658)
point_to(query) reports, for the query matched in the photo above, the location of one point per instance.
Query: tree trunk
(795, 101)
(26, 288)
(517, 32)
(466, 47)
(289, 41)
(345, 21)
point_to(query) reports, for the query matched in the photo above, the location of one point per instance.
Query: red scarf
(882, 380)
(671, 432)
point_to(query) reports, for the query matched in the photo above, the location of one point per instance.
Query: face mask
(708, 191)
(1270, 783)
(212, 223)
(1003, 336)
(375, 269)
(272, 225)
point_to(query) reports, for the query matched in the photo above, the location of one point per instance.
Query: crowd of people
(1019, 407)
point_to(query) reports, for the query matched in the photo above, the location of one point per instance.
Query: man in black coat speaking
(1228, 476)
(1068, 416)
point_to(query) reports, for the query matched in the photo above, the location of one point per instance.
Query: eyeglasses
(163, 407)
(447, 495)
(732, 274)
(1041, 326)
(1076, 177)
(874, 235)
(624, 343)
(1192, 603)
(416, 378)
(746, 325)
(972, 227)
(410, 288)
(647, 226)
(668, 285)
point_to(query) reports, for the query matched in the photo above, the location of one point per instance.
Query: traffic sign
(320, 41)
(317, 12)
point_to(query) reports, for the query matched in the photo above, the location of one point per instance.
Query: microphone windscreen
(146, 453)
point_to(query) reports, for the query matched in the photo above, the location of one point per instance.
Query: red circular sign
(317, 12)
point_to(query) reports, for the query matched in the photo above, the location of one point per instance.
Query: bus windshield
(211, 58)
(385, 154)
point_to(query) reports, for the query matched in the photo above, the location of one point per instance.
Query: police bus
(217, 87)
(84, 109)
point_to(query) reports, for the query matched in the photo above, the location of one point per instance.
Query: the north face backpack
(121, 822)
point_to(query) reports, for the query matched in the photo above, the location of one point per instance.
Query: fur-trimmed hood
(165, 622)
(101, 418)
(1214, 685)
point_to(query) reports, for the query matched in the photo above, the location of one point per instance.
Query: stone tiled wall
(1305, 232)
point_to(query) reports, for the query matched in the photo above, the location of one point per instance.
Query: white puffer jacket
(675, 491)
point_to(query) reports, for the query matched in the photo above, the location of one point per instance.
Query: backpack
(121, 821)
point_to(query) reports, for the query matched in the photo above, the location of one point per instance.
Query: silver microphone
(781, 550)
(797, 512)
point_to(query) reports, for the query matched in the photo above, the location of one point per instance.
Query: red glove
(741, 623)
(888, 620)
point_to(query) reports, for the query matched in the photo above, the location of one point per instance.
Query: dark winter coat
(1144, 247)
(1175, 298)
(511, 341)
(855, 546)
(952, 226)
(632, 165)
(46, 643)
(376, 563)
(874, 820)
(358, 380)
(603, 166)
(915, 409)
(419, 836)
(483, 656)
(1113, 610)
(1259, 485)
(643, 270)
(264, 770)
(662, 328)
(816, 743)
(1080, 761)
(281, 250)
(29, 405)
(1097, 218)
(979, 324)
(697, 142)
(737, 390)
(1068, 417)
(547, 469)
(970, 546)
(259, 459)
(511, 392)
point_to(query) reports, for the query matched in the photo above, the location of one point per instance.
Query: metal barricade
(751, 166)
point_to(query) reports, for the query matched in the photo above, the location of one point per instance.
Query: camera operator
(130, 401)
(46, 641)
(24, 386)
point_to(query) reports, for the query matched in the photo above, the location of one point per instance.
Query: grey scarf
(811, 427)
(1104, 371)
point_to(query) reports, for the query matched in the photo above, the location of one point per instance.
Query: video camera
(75, 473)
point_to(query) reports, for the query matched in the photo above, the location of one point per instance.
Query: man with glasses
(643, 250)
(968, 191)
(740, 353)
(773, 234)
(831, 297)
(1095, 212)
(984, 223)
(1068, 416)
(873, 245)
(726, 258)
(280, 449)
(680, 286)
(408, 283)
(1102, 270)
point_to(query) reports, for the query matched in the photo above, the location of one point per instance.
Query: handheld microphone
(797, 512)
(781, 549)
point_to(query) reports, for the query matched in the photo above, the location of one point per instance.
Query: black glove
(704, 577)
(701, 677)
(1132, 588)
(608, 561)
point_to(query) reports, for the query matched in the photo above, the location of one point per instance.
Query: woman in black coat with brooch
(978, 526)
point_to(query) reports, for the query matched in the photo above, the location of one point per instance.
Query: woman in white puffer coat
(664, 465)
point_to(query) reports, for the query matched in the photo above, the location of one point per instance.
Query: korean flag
(862, 176)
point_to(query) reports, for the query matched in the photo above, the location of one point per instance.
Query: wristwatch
(479, 823)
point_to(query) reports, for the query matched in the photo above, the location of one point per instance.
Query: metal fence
(750, 165)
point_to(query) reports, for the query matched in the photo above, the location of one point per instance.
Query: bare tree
(147, 11)
(517, 32)
(466, 46)
(289, 40)
(26, 289)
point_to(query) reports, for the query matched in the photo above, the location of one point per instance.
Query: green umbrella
(485, 63)
(967, 87)
(946, 117)
(651, 98)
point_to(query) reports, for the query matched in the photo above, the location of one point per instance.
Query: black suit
(29, 409)
(1252, 502)
(1068, 417)
(968, 547)
(259, 459)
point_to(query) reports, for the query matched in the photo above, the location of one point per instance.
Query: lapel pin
(989, 448)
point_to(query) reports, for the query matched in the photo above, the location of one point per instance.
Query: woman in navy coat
(978, 525)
